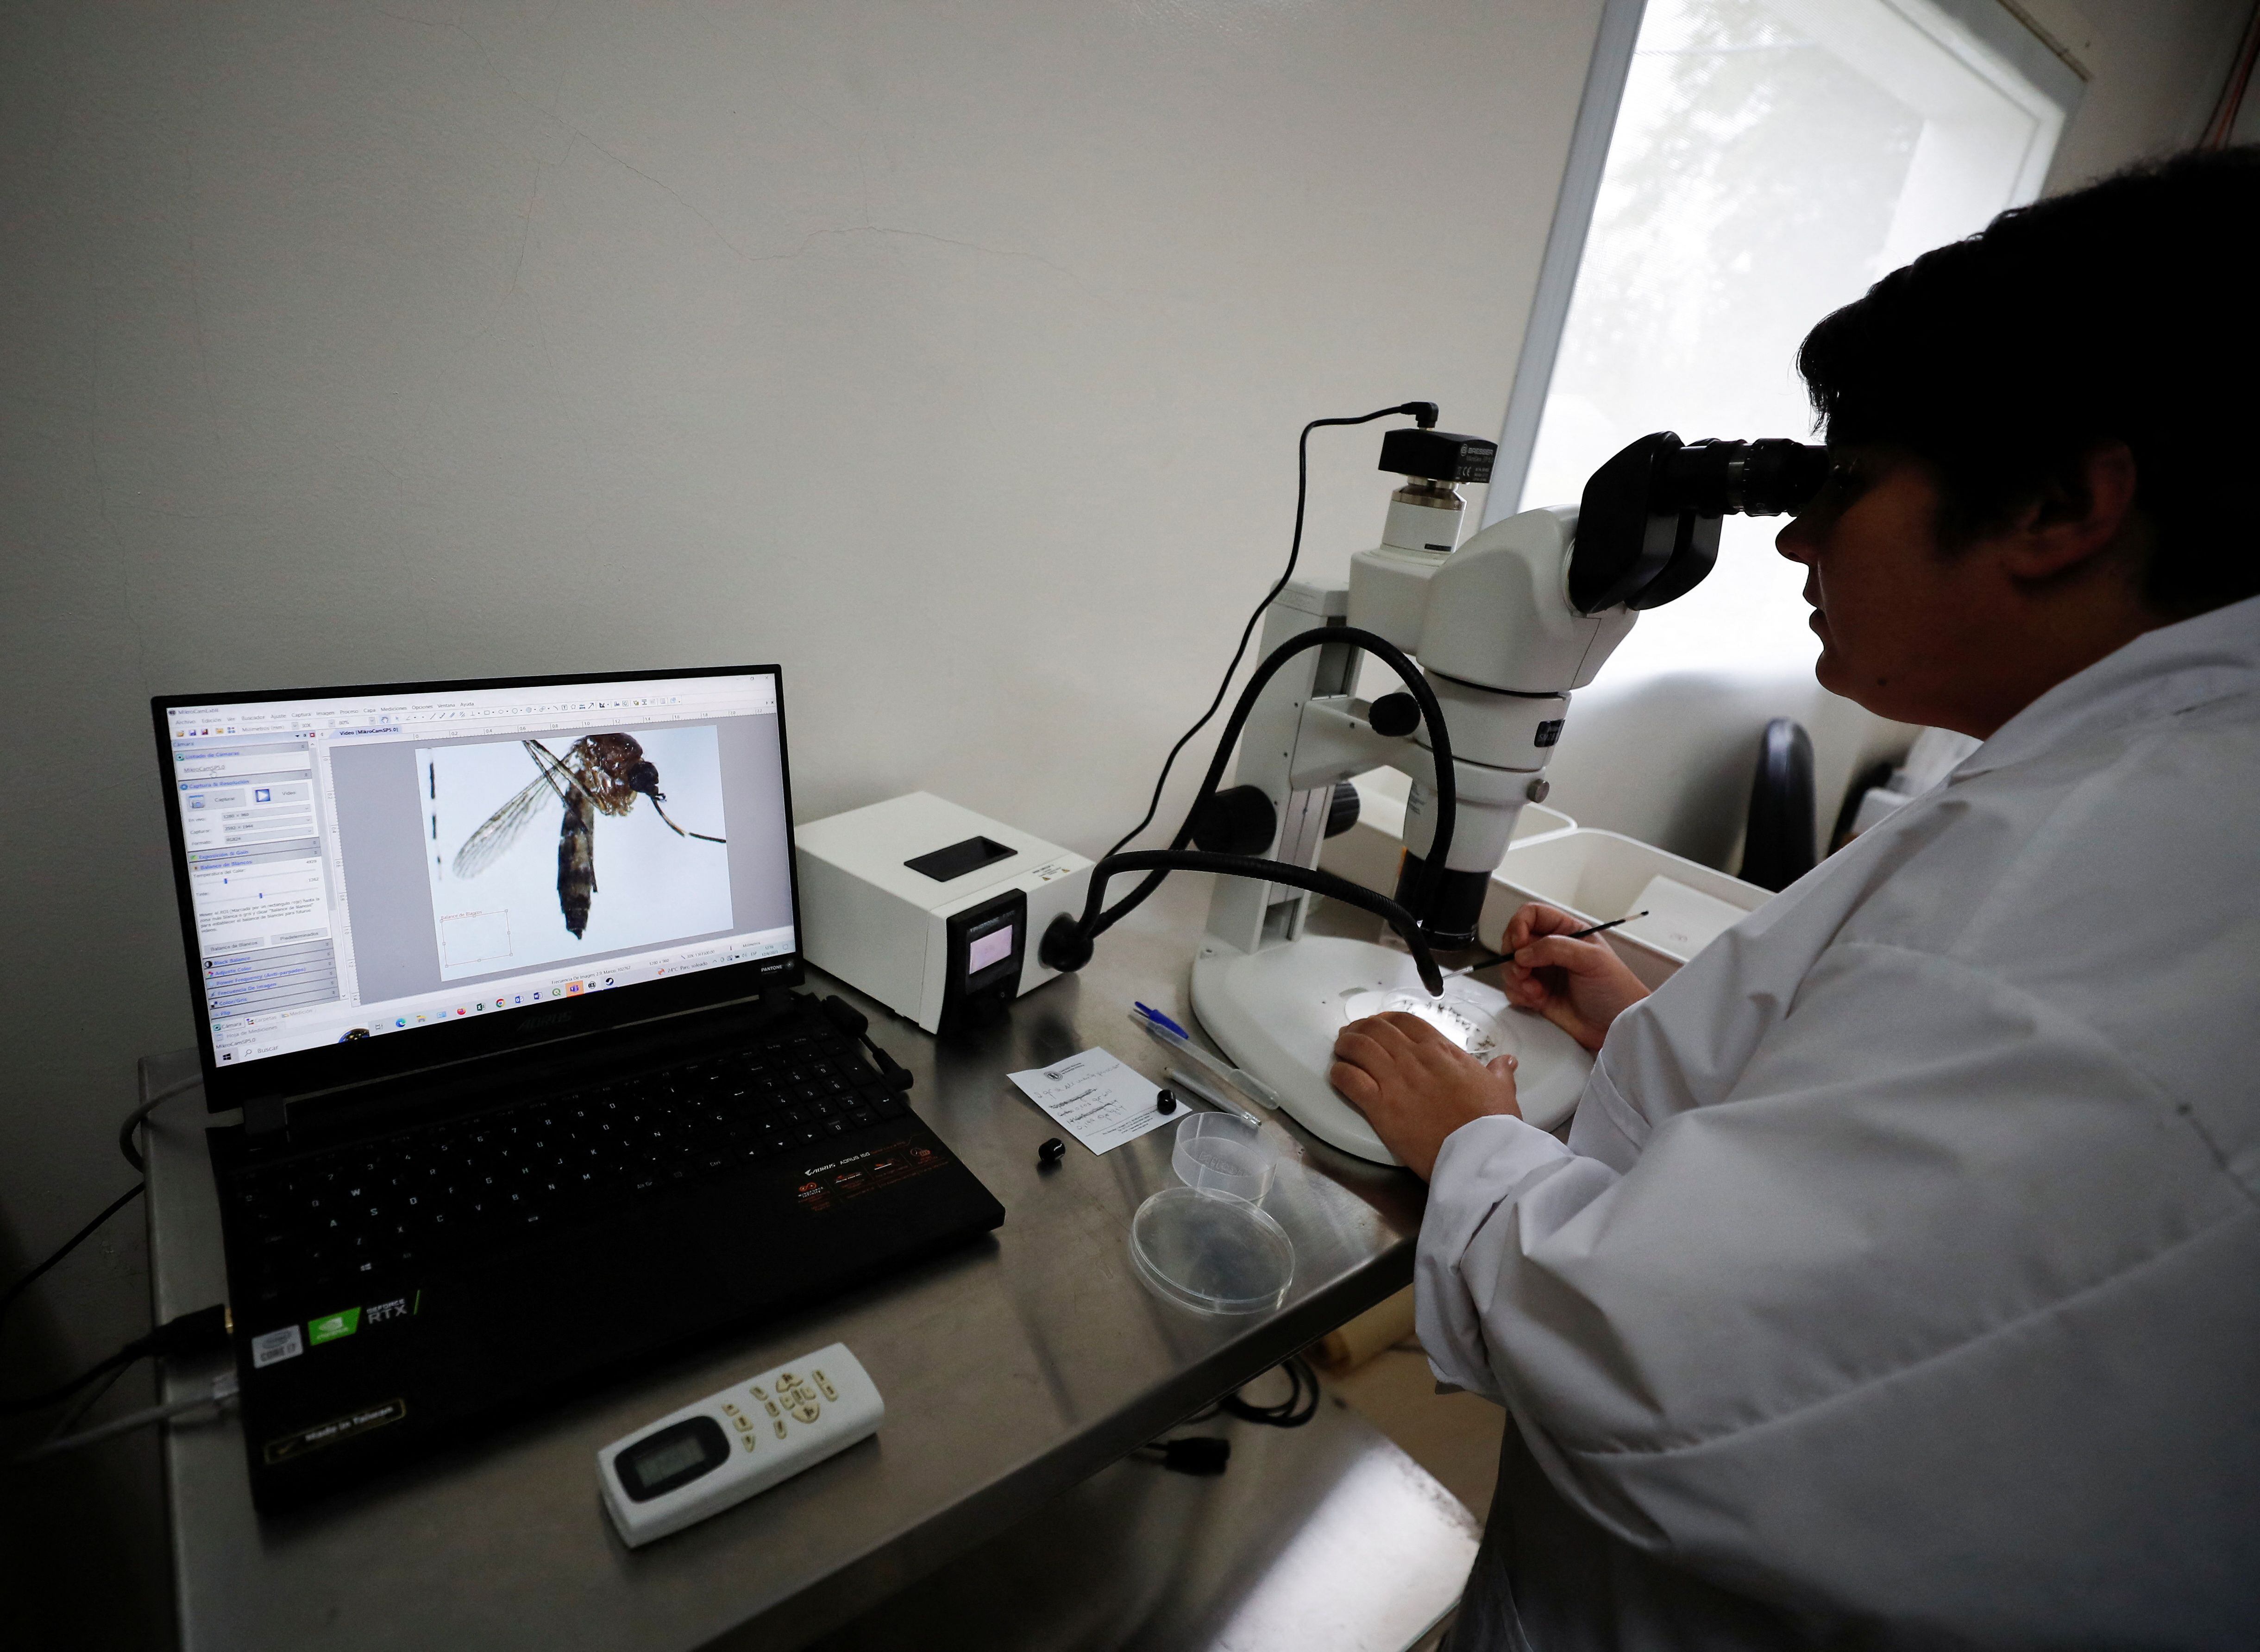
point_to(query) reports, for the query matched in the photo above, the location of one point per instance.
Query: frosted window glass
(1770, 159)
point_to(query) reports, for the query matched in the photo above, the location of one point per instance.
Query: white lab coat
(1901, 1277)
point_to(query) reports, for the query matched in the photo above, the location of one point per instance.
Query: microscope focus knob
(1238, 820)
(1395, 715)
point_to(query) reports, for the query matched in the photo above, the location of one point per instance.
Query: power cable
(68, 1245)
(133, 1119)
(1425, 412)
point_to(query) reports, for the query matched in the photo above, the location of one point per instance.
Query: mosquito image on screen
(600, 774)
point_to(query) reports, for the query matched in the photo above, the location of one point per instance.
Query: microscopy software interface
(368, 866)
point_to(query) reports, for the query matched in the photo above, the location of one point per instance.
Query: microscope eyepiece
(1773, 476)
(1648, 526)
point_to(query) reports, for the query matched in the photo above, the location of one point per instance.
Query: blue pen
(1161, 1029)
(1152, 1014)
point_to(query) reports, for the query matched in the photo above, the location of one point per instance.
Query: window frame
(1996, 27)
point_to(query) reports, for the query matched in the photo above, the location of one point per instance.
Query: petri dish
(1220, 1153)
(1212, 1252)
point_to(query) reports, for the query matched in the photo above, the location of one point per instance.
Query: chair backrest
(1778, 845)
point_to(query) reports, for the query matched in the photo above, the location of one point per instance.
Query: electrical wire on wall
(2222, 127)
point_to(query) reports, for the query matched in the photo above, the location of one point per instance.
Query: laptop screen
(381, 862)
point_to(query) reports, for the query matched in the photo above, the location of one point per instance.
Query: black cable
(1300, 1405)
(1423, 410)
(200, 1331)
(78, 1413)
(1060, 955)
(133, 1119)
(1204, 1455)
(22, 1402)
(1163, 862)
(1416, 684)
(68, 1245)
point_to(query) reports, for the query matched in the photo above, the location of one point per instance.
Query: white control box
(702, 1459)
(932, 910)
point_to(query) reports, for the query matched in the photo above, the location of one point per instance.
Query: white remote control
(702, 1459)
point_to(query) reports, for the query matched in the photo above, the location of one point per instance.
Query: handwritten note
(1101, 1101)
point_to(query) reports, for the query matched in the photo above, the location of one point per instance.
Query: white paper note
(1101, 1100)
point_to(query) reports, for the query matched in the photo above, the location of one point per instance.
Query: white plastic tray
(1597, 875)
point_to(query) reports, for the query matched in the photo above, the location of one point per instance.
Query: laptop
(502, 975)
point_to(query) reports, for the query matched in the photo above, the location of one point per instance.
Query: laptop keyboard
(379, 1205)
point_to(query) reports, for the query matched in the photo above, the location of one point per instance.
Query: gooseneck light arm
(1067, 945)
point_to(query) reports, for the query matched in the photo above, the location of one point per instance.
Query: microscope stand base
(1275, 1012)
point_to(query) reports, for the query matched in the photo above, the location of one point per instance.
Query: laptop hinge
(265, 1115)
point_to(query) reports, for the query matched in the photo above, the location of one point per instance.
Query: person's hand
(1415, 1086)
(1581, 986)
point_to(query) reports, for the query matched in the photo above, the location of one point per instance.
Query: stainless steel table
(1012, 1370)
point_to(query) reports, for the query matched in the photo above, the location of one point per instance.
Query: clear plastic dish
(1220, 1153)
(1212, 1252)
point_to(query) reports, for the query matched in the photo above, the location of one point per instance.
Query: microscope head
(1647, 526)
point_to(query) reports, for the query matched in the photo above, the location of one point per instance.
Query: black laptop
(502, 975)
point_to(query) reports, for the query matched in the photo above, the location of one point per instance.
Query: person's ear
(2081, 514)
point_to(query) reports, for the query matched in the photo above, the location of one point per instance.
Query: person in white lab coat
(1898, 1282)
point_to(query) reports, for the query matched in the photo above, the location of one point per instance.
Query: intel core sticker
(277, 1345)
(330, 1327)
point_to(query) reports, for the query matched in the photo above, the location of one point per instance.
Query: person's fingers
(1524, 986)
(1356, 1084)
(1355, 1045)
(1417, 1032)
(1503, 1064)
(1374, 1036)
(1535, 920)
(1553, 951)
(1518, 928)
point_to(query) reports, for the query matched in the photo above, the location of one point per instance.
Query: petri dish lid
(1212, 1252)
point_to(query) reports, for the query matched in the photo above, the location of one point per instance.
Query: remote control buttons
(829, 1392)
(780, 1427)
(742, 1423)
(769, 1405)
(806, 1411)
(746, 1440)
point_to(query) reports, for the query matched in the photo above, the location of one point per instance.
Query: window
(1767, 160)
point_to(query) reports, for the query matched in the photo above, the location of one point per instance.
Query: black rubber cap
(1165, 1101)
(1395, 715)
(1049, 1154)
(1064, 947)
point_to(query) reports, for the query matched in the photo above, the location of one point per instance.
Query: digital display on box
(982, 951)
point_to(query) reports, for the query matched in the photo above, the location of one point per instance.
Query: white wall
(949, 354)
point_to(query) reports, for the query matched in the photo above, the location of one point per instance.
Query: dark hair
(2125, 310)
